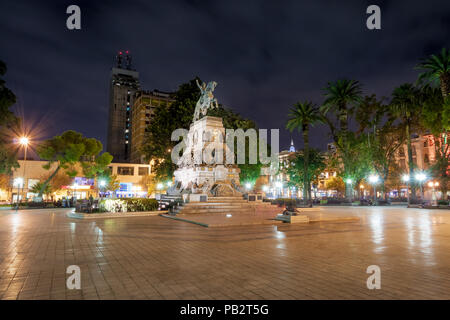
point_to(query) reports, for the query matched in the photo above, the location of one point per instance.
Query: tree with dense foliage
(336, 183)
(437, 69)
(384, 145)
(37, 187)
(436, 119)
(302, 116)
(4, 181)
(406, 106)
(436, 112)
(341, 98)
(384, 135)
(7, 121)
(158, 144)
(295, 170)
(70, 149)
(59, 181)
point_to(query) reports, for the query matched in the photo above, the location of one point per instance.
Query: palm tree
(405, 105)
(39, 187)
(302, 116)
(339, 96)
(437, 68)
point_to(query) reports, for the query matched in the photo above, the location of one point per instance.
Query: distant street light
(373, 179)
(159, 186)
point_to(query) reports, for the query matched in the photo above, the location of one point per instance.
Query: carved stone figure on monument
(206, 100)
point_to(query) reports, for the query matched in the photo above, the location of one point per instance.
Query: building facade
(124, 84)
(130, 177)
(142, 113)
(424, 155)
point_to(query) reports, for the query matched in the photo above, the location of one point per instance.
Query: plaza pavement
(158, 258)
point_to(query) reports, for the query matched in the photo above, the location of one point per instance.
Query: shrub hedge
(128, 205)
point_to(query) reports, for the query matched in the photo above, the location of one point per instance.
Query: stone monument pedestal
(195, 175)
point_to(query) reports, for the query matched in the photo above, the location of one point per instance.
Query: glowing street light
(169, 183)
(248, 186)
(373, 179)
(349, 181)
(265, 188)
(24, 141)
(420, 177)
(159, 186)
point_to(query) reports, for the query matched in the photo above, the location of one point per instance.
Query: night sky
(265, 55)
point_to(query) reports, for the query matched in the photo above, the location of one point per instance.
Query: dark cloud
(265, 55)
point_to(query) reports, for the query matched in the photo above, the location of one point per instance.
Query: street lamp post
(405, 178)
(421, 177)
(18, 182)
(373, 179)
(74, 193)
(24, 142)
(433, 192)
(102, 184)
(349, 188)
(278, 185)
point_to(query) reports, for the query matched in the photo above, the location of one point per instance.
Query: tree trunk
(343, 126)
(445, 84)
(306, 186)
(44, 185)
(410, 163)
(343, 120)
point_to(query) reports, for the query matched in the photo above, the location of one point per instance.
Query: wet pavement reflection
(157, 258)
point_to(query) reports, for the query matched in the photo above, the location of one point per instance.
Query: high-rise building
(145, 105)
(123, 86)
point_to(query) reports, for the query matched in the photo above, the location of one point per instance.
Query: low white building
(31, 171)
